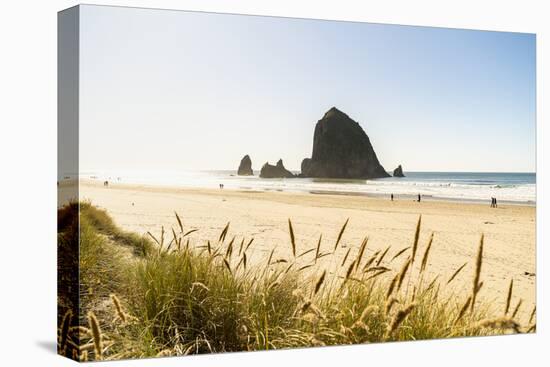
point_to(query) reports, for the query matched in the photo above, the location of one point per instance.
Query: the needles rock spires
(277, 171)
(245, 167)
(341, 149)
(398, 172)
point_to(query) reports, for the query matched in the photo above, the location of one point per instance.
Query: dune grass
(173, 296)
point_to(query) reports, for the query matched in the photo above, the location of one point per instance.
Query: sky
(172, 90)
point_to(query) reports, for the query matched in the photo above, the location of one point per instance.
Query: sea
(517, 188)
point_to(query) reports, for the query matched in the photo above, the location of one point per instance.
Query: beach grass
(166, 294)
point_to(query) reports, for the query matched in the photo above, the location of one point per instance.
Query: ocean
(462, 186)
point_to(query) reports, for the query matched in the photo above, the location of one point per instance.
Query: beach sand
(510, 231)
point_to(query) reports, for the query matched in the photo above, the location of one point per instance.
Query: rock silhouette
(398, 172)
(277, 171)
(245, 167)
(341, 149)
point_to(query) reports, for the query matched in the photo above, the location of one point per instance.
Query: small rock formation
(245, 167)
(398, 172)
(341, 149)
(277, 171)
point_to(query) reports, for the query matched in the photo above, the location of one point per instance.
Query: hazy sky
(172, 90)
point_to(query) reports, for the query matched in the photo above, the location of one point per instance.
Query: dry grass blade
(229, 250)
(340, 235)
(209, 247)
(361, 252)
(463, 309)
(498, 323)
(516, 310)
(319, 282)
(189, 232)
(379, 261)
(389, 304)
(432, 283)
(350, 270)
(367, 311)
(345, 257)
(292, 238)
(306, 252)
(391, 287)
(228, 266)
(172, 241)
(248, 244)
(153, 237)
(241, 246)
(174, 236)
(416, 237)
(305, 267)
(424, 262)
(533, 314)
(398, 319)
(317, 251)
(377, 268)
(457, 271)
(381, 271)
(270, 257)
(403, 273)
(65, 324)
(370, 260)
(179, 222)
(96, 335)
(224, 233)
(477, 273)
(118, 308)
(509, 297)
(399, 253)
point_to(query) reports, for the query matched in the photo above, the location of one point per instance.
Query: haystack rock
(341, 149)
(398, 172)
(245, 168)
(277, 171)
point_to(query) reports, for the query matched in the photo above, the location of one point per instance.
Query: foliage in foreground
(176, 297)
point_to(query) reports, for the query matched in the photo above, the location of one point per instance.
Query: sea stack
(398, 172)
(277, 171)
(245, 167)
(341, 149)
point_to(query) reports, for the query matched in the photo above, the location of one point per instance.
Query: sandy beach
(509, 230)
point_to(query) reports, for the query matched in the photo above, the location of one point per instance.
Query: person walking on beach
(496, 205)
(418, 198)
(492, 202)
(391, 197)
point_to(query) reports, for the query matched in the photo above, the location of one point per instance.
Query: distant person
(496, 205)
(419, 198)
(391, 197)
(106, 183)
(492, 202)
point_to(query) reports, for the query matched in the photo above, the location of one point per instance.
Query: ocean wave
(479, 189)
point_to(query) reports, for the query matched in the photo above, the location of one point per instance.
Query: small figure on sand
(419, 198)
(493, 202)
(221, 186)
(391, 197)
(105, 183)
